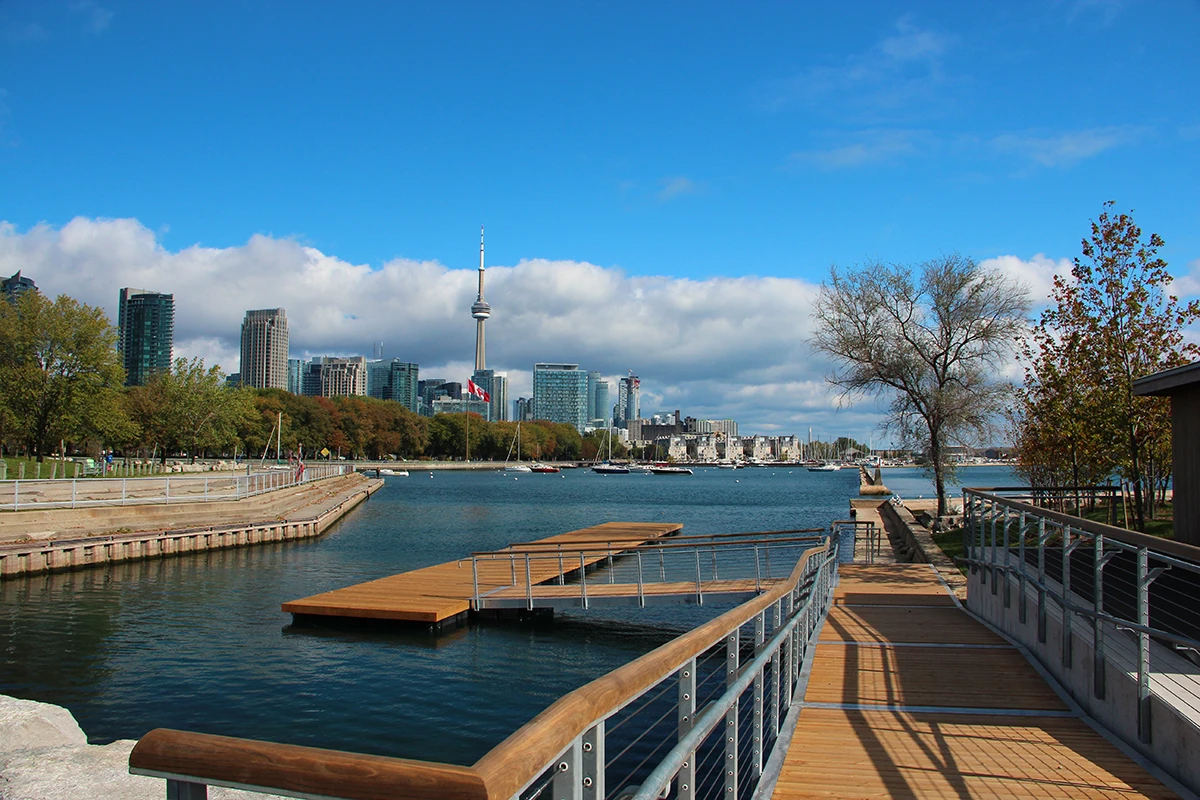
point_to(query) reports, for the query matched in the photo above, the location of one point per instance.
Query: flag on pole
(475, 389)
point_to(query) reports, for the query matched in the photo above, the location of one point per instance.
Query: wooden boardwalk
(910, 697)
(438, 593)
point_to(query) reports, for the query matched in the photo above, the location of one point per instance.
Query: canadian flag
(474, 388)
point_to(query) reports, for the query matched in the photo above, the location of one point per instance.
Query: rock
(44, 755)
(29, 725)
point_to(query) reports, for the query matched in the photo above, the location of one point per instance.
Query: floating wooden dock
(435, 594)
(910, 697)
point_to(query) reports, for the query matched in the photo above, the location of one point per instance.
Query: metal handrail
(990, 546)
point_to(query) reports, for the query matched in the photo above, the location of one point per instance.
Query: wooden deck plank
(853, 754)
(875, 657)
(440, 592)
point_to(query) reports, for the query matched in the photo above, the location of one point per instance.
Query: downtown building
(145, 333)
(629, 402)
(560, 394)
(15, 286)
(331, 376)
(395, 380)
(265, 349)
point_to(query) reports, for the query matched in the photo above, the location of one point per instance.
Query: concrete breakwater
(301, 513)
(45, 755)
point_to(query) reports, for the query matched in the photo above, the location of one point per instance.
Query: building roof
(1169, 381)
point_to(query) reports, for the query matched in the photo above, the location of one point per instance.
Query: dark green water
(199, 643)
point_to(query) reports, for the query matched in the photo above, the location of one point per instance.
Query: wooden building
(1182, 385)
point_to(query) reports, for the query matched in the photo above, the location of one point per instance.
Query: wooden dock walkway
(910, 697)
(435, 594)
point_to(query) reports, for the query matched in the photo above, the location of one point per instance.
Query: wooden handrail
(510, 765)
(309, 770)
(500, 774)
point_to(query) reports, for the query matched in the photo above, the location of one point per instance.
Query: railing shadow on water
(698, 717)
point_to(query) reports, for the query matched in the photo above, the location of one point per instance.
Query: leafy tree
(196, 411)
(1113, 320)
(930, 338)
(60, 376)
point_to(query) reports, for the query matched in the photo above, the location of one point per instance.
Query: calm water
(911, 482)
(199, 643)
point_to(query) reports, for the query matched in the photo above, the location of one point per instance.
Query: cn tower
(480, 311)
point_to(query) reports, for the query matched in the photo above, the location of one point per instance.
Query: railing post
(732, 647)
(699, 588)
(528, 586)
(1022, 616)
(583, 581)
(16, 495)
(167, 495)
(1041, 589)
(756, 743)
(568, 780)
(1100, 559)
(1067, 548)
(641, 591)
(757, 572)
(183, 790)
(593, 762)
(124, 493)
(993, 558)
(1145, 577)
(776, 672)
(74, 484)
(1004, 572)
(686, 777)
(475, 579)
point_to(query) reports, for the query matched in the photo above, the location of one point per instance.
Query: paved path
(910, 697)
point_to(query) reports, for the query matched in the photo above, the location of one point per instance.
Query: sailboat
(538, 466)
(516, 467)
(607, 467)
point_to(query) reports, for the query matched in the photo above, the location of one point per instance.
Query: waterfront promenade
(911, 697)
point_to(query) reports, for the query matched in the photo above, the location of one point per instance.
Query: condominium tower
(265, 349)
(560, 394)
(145, 333)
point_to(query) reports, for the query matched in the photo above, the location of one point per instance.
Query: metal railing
(1117, 582)
(26, 495)
(850, 532)
(699, 717)
(680, 568)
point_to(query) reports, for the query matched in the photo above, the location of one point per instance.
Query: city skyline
(660, 210)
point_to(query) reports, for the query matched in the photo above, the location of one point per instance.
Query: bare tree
(930, 337)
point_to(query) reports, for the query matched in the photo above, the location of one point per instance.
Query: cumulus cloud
(1187, 286)
(720, 347)
(1036, 274)
(1068, 149)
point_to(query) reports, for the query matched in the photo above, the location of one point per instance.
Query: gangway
(684, 569)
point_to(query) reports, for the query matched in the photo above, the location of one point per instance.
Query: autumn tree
(1111, 321)
(195, 411)
(60, 375)
(930, 339)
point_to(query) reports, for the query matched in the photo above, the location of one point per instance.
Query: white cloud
(721, 347)
(863, 149)
(1188, 285)
(676, 187)
(1068, 149)
(95, 16)
(1036, 274)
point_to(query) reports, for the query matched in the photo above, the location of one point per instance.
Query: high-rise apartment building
(265, 349)
(396, 380)
(145, 333)
(523, 409)
(599, 412)
(295, 378)
(329, 376)
(560, 394)
(16, 286)
(629, 404)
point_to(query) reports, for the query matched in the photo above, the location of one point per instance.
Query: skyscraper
(145, 333)
(295, 381)
(629, 404)
(480, 311)
(560, 394)
(394, 380)
(496, 385)
(265, 349)
(330, 376)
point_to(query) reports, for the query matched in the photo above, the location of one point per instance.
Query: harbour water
(199, 642)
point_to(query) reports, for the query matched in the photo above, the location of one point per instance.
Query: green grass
(1162, 526)
(951, 543)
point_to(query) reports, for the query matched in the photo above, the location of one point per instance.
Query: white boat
(667, 469)
(393, 473)
(727, 465)
(607, 467)
(825, 467)
(516, 467)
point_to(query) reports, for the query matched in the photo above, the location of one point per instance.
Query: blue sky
(684, 145)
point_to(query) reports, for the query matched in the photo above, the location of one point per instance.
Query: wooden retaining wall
(31, 558)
